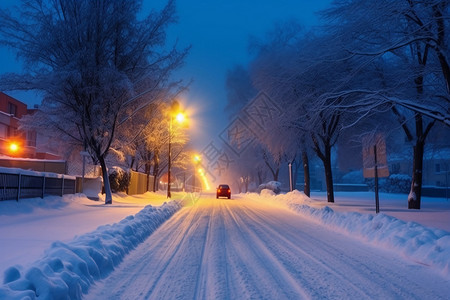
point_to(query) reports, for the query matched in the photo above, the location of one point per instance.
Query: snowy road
(245, 249)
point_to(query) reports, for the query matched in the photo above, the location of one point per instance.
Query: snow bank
(67, 270)
(274, 186)
(422, 244)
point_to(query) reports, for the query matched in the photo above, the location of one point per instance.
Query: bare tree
(413, 36)
(92, 60)
(149, 146)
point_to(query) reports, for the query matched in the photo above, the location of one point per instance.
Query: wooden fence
(15, 186)
(140, 183)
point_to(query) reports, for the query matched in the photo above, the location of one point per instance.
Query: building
(15, 142)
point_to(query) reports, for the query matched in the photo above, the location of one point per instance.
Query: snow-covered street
(125, 123)
(248, 249)
(261, 246)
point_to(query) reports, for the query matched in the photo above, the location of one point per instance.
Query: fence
(27, 184)
(15, 186)
(140, 183)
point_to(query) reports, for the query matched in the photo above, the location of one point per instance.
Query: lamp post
(180, 118)
(197, 160)
(169, 195)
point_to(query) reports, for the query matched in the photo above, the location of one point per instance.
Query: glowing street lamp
(180, 117)
(14, 147)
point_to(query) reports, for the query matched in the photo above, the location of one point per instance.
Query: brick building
(15, 142)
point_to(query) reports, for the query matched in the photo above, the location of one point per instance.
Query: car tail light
(229, 191)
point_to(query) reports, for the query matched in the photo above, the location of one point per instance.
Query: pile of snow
(273, 186)
(92, 187)
(422, 244)
(68, 269)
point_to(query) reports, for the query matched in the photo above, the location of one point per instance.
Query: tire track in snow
(354, 271)
(243, 249)
(171, 254)
(201, 282)
(151, 266)
(260, 260)
(289, 258)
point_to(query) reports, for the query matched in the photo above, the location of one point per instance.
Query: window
(437, 168)
(31, 138)
(3, 131)
(12, 109)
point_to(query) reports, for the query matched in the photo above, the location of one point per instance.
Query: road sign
(368, 143)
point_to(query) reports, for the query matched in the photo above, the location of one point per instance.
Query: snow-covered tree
(239, 90)
(271, 72)
(413, 36)
(148, 142)
(92, 61)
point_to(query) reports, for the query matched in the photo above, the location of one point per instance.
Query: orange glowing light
(13, 147)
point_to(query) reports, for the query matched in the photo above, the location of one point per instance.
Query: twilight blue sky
(218, 32)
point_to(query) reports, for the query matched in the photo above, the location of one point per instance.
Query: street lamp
(197, 160)
(180, 118)
(14, 148)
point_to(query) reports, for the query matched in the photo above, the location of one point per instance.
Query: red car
(223, 190)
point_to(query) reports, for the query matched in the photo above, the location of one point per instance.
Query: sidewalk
(434, 212)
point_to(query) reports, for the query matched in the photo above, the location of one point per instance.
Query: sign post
(375, 162)
(291, 187)
(377, 200)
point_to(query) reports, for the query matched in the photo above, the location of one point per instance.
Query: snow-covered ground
(54, 247)
(30, 226)
(434, 212)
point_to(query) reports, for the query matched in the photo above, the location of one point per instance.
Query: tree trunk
(325, 157)
(155, 183)
(247, 183)
(133, 158)
(239, 185)
(107, 186)
(297, 164)
(276, 173)
(155, 171)
(439, 48)
(307, 178)
(328, 174)
(260, 176)
(415, 193)
(155, 177)
(274, 170)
